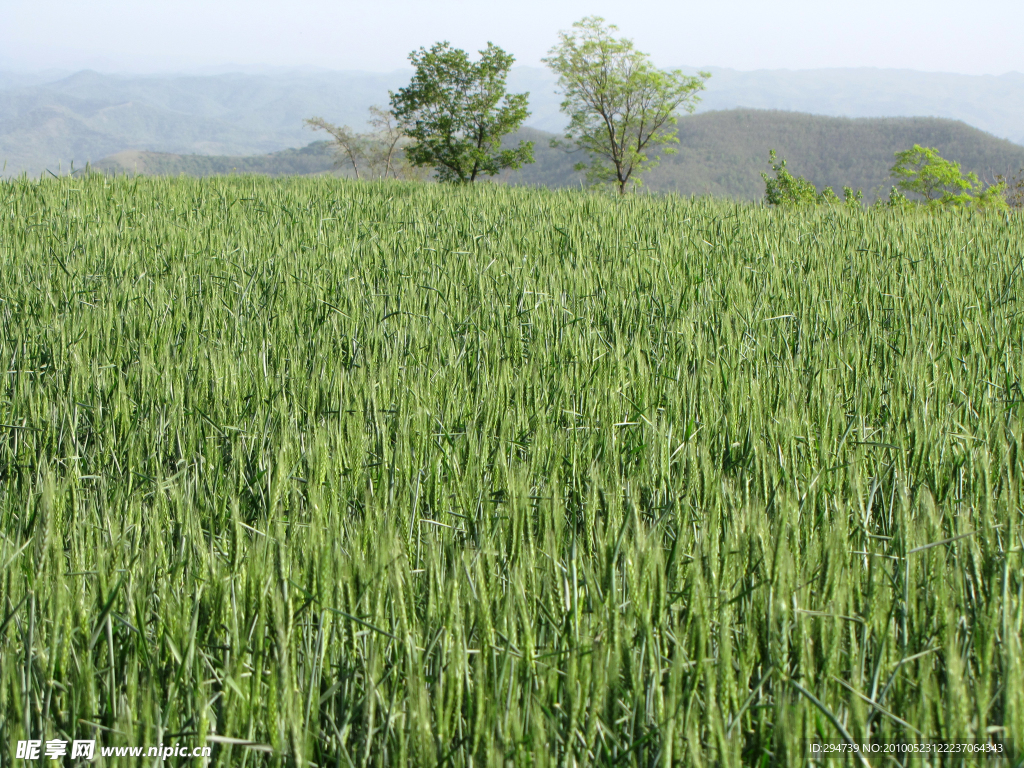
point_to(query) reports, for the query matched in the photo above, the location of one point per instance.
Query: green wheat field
(373, 474)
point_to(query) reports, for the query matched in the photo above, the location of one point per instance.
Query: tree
(349, 144)
(457, 112)
(379, 153)
(620, 106)
(387, 152)
(788, 190)
(922, 171)
(1013, 189)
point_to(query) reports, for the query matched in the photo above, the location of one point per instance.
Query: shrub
(788, 190)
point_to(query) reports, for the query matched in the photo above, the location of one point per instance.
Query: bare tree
(349, 143)
(386, 151)
(1014, 189)
(379, 153)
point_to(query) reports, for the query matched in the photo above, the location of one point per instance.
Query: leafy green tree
(457, 111)
(621, 108)
(922, 171)
(788, 190)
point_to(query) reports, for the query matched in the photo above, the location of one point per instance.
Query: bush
(788, 190)
(896, 200)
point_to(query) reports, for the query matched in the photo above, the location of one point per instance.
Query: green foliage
(896, 200)
(853, 198)
(384, 474)
(621, 108)
(789, 190)
(785, 188)
(923, 172)
(993, 197)
(457, 111)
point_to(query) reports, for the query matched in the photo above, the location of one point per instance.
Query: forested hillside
(723, 153)
(719, 153)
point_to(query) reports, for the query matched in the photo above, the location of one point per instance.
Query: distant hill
(48, 120)
(89, 115)
(719, 153)
(993, 103)
(723, 153)
(26, 79)
(313, 159)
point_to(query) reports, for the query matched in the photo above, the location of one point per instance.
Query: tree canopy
(922, 171)
(457, 111)
(620, 106)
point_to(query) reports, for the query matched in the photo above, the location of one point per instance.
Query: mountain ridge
(45, 123)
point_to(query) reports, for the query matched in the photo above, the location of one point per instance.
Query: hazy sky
(977, 37)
